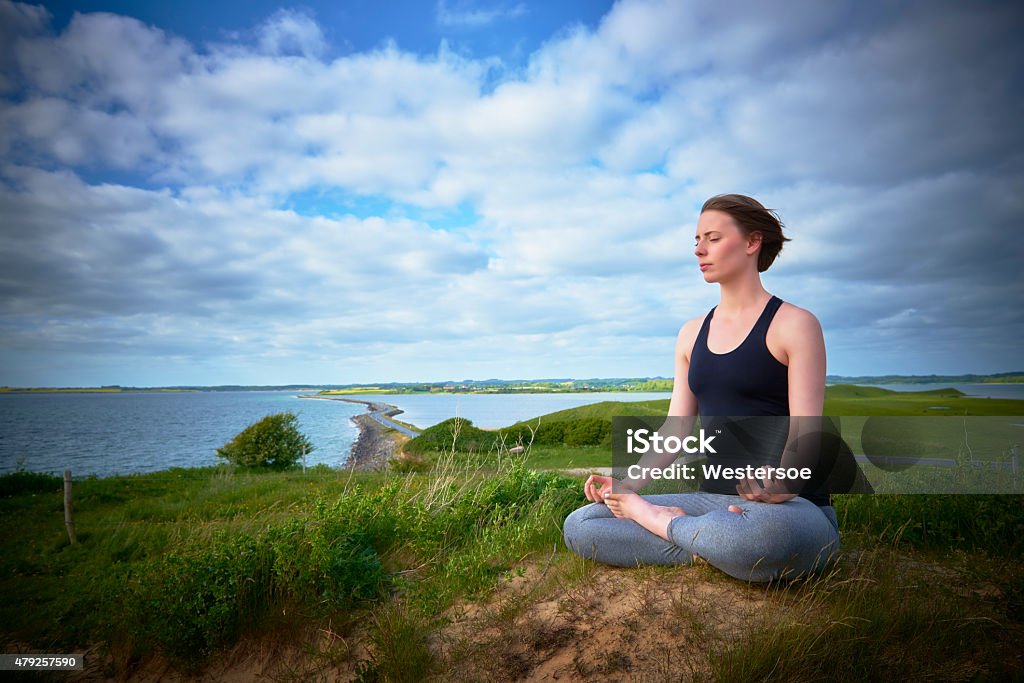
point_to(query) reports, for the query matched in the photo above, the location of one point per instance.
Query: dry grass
(877, 611)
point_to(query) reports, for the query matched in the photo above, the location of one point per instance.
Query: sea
(106, 434)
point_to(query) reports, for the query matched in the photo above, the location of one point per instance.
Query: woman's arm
(682, 409)
(683, 403)
(802, 340)
(805, 347)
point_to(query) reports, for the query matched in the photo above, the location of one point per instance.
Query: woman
(751, 355)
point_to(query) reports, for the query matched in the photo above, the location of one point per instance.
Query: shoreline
(373, 447)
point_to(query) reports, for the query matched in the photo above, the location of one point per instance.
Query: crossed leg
(749, 540)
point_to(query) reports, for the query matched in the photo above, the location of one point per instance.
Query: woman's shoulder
(692, 326)
(792, 321)
(793, 314)
(688, 334)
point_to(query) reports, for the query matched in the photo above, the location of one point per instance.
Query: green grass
(605, 410)
(189, 562)
(186, 562)
(848, 399)
(568, 457)
(881, 621)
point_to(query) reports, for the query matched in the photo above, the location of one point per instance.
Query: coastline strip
(373, 448)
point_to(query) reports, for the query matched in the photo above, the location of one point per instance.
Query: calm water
(496, 410)
(107, 434)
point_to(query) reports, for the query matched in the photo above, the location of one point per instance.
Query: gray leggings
(766, 541)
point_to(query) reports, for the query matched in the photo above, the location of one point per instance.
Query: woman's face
(722, 250)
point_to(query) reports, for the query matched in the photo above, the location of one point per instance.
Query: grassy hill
(605, 410)
(848, 399)
(581, 436)
(840, 400)
(460, 574)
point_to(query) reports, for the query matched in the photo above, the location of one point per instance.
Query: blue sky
(266, 193)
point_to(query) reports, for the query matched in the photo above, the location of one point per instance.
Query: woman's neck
(739, 297)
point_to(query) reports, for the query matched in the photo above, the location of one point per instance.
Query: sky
(352, 191)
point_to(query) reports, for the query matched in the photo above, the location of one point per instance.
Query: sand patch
(606, 622)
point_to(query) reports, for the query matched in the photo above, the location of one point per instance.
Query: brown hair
(751, 216)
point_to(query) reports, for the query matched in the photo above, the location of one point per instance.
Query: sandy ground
(563, 619)
(613, 626)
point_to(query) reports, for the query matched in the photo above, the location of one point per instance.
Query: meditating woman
(751, 355)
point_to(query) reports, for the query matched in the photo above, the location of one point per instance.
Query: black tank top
(745, 382)
(748, 380)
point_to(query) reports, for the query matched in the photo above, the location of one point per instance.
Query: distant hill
(1016, 377)
(606, 410)
(548, 385)
(841, 391)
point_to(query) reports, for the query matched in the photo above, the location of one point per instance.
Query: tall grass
(188, 575)
(875, 618)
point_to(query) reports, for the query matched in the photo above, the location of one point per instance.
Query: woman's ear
(754, 241)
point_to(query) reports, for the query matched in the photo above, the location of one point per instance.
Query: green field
(459, 572)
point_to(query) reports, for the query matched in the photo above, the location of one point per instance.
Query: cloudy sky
(353, 191)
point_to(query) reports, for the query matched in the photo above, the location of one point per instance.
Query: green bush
(992, 523)
(586, 431)
(191, 601)
(203, 595)
(274, 442)
(456, 430)
(16, 483)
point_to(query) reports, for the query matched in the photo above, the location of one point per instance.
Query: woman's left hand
(768, 492)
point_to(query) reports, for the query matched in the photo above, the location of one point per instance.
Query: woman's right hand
(594, 493)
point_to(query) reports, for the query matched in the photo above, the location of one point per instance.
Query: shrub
(274, 442)
(203, 595)
(588, 431)
(20, 482)
(456, 430)
(585, 431)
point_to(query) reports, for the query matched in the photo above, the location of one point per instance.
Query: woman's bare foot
(654, 518)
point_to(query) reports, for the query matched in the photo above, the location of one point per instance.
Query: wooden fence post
(69, 520)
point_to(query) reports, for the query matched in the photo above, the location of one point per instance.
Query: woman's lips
(704, 266)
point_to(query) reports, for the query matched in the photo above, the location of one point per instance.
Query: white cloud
(289, 32)
(580, 176)
(467, 14)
